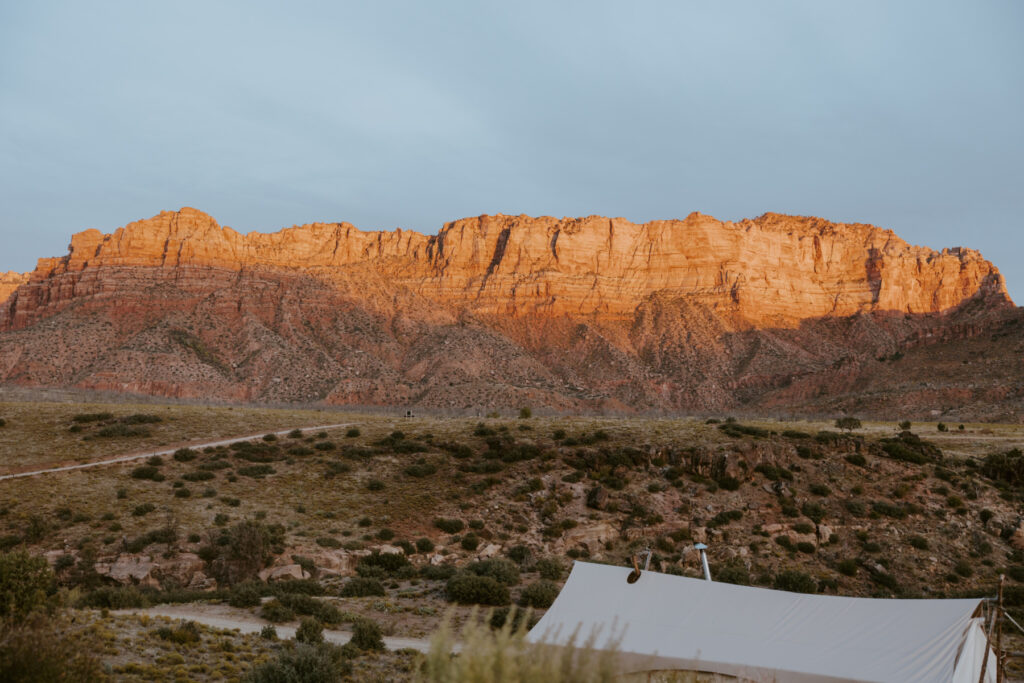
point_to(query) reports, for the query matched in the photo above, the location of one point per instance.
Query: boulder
(489, 550)
(287, 571)
(130, 570)
(592, 536)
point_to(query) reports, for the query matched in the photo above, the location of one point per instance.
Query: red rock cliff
(771, 271)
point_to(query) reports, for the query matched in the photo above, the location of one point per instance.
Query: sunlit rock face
(568, 313)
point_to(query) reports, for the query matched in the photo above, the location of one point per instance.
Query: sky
(411, 114)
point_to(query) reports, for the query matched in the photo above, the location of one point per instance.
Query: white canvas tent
(677, 623)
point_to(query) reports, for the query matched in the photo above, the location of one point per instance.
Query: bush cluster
(539, 594)
(470, 589)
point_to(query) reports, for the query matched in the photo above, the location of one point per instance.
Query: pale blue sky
(907, 115)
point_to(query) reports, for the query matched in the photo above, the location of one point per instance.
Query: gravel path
(166, 451)
(220, 617)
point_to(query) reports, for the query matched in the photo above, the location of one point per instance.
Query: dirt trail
(165, 451)
(218, 616)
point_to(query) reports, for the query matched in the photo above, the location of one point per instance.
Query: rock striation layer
(582, 313)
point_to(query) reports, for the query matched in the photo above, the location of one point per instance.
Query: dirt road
(166, 451)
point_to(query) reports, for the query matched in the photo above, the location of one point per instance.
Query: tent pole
(999, 633)
(988, 645)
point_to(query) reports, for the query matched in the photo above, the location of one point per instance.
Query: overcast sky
(409, 114)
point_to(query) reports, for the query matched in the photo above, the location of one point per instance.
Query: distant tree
(25, 583)
(848, 423)
(525, 413)
(905, 426)
(942, 427)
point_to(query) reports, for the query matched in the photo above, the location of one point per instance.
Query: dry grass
(37, 434)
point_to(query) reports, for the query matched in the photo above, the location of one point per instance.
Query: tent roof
(673, 622)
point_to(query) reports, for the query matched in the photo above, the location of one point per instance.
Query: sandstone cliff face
(769, 272)
(589, 313)
(9, 282)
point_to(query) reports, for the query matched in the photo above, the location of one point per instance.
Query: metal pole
(999, 633)
(704, 560)
(988, 646)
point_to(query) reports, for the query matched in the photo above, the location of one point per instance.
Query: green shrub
(140, 419)
(498, 568)
(885, 509)
(256, 471)
(848, 423)
(813, 511)
(243, 550)
(820, 489)
(549, 568)
(919, 542)
(198, 475)
(856, 459)
(92, 417)
(424, 545)
(361, 587)
(143, 509)
(736, 430)
(725, 517)
(847, 567)
(773, 473)
(268, 632)
(469, 589)
(784, 541)
(163, 535)
(274, 611)
(437, 572)
(310, 631)
(147, 472)
(389, 562)
(728, 483)
(806, 547)
(352, 432)
(734, 572)
(795, 582)
(420, 470)
(120, 430)
(449, 526)
(470, 542)
(307, 663)
(185, 634)
(245, 594)
(375, 485)
(367, 636)
(964, 568)
(518, 553)
(26, 582)
(185, 455)
(539, 594)
(328, 542)
(113, 597)
(1007, 467)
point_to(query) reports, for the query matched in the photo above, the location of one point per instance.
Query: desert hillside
(786, 314)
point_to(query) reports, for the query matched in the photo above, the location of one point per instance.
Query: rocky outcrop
(575, 314)
(9, 282)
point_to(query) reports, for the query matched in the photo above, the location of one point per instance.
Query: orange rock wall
(9, 282)
(770, 271)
